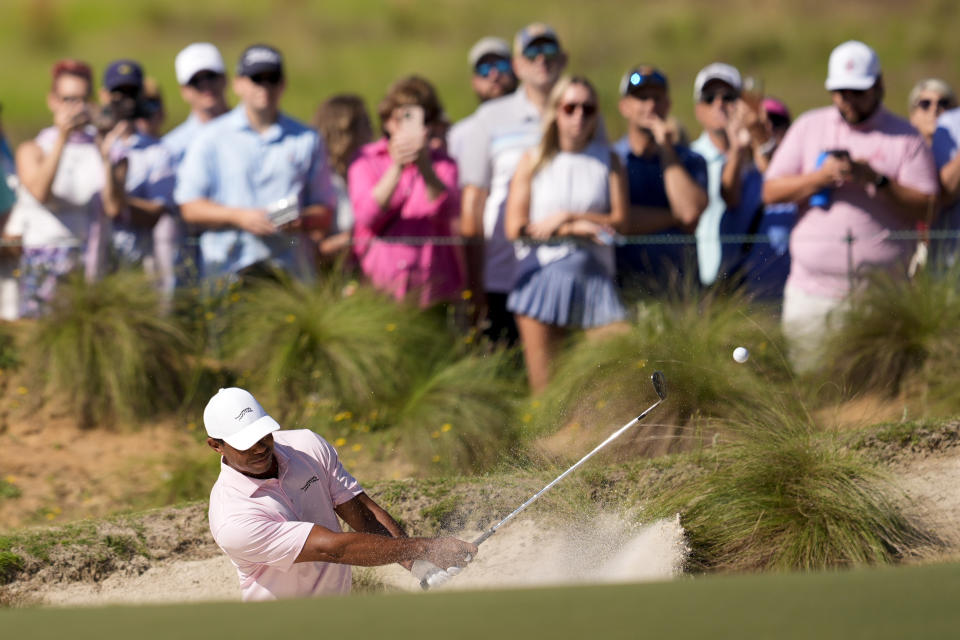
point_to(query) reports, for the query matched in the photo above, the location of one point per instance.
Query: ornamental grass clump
(108, 351)
(781, 494)
(606, 380)
(899, 334)
(457, 413)
(300, 346)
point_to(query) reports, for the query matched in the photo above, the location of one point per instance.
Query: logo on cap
(260, 55)
(124, 69)
(243, 413)
(851, 64)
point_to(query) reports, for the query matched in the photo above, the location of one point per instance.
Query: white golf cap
(853, 65)
(716, 71)
(235, 416)
(488, 46)
(199, 56)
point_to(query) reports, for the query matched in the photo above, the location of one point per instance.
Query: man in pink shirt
(274, 509)
(857, 171)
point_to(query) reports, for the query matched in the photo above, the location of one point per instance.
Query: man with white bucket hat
(274, 509)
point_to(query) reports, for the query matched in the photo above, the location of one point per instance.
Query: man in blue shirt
(667, 182)
(247, 171)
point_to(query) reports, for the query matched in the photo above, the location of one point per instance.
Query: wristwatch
(881, 181)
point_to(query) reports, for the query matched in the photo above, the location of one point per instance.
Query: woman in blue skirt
(567, 199)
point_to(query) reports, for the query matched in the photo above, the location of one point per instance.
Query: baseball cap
(197, 57)
(853, 65)
(531, 32)
(716, 71)
(123, 73)
(488, 46)
(642, 76)
(235, 416)
(259, 58)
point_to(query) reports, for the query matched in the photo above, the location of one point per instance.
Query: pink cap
(775, 107)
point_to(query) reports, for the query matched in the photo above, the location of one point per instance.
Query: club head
(659, 384)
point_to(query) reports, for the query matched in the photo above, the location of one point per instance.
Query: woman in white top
(67, 180)
(567, 198)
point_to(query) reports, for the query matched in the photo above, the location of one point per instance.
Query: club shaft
(492, 530)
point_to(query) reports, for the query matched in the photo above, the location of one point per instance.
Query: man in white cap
(201, 75)
(729, 136)
(506, 127)
(256, 181)
(492, 77)
(274, 509)
(858, 173)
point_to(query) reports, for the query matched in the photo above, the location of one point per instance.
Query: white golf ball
(740, 354)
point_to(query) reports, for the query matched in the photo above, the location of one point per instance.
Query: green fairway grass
(907, 602)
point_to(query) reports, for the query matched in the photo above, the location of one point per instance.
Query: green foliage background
(362, 45)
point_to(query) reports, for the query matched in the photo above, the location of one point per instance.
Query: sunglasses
(127, 91)
(267, 78)
(588, 108)
(502, 66)
(79, 99)
(203, 77)
(726, 96)
(942, 103)
(549, 50)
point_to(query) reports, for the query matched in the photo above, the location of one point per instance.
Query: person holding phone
(249, 163)
(881, 178)
(567, 199)
(67, 180)
(404, 193)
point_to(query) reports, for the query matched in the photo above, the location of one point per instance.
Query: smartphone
(283, 211)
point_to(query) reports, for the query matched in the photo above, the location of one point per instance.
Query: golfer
(274, 509)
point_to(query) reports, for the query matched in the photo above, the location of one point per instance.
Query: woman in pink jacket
(403, 194)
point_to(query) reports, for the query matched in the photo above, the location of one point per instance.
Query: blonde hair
(550, 140)
(343, 122)
(931, 84)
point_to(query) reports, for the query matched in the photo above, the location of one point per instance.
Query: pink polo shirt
(263, 524)
(431, 272)
(820, 260)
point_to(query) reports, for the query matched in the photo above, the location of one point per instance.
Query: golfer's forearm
(360, 549)
(208, 213)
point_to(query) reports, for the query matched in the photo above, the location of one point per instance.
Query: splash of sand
(607, 549)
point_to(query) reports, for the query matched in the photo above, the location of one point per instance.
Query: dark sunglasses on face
(726, 96)
(549, 50)
(942, 103)
(127, 92)
(484, 69)
(268, 78)
(588, 108)
(203, 77)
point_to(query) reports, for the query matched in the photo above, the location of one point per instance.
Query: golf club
(431, 576)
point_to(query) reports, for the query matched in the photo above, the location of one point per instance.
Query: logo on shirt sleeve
(309, 482)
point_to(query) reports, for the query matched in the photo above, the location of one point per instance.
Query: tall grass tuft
(457, 414)
(303, 346)
(606, 380)
(897, 329)
(107, 350)
(784, 495)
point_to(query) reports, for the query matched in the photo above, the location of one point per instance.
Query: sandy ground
(521, 554)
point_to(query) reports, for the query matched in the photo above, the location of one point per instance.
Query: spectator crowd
(524, 211)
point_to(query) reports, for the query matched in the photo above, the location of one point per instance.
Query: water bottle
(821, 198)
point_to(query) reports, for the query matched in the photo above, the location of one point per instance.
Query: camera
(118, 109)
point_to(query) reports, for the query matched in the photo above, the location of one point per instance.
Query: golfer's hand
(450, 552)
(255, 221)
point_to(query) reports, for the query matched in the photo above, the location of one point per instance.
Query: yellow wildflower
(392, 326)
(435, 459)
(339, 442)
(446, 427)
(343, 415)
(290, 318)
(527, 417)
(467, 294)
(356, 447)
(22, 390)
(435, 434)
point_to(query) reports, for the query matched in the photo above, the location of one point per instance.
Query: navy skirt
(574, 291)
